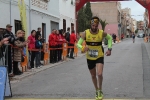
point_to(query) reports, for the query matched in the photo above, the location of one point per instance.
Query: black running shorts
(92, 63)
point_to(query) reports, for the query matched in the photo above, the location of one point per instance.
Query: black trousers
(9, 58)
(71, 50)
(33, 55)
(59, 52)
(15, 67)
(114, 40)
(68, 49)
(53, 54)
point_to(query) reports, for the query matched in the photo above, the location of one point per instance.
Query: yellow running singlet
(94, 43)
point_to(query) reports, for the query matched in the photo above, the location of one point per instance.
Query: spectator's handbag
(22, 58)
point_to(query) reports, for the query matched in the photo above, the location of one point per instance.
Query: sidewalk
(29, 72)
(36, 70)
(147, 45)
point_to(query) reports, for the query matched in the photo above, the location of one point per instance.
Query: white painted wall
(39, 16)
(37, 21)
(15, 14)
(5, 14)
(67, 12)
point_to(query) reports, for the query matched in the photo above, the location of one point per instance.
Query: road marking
(73, 99)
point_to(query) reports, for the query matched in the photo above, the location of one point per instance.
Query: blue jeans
(38, 59)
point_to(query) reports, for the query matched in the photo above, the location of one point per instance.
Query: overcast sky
(136, 9)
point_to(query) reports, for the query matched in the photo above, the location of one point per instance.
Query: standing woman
(59, 39)
(31, 45)
(19, 43)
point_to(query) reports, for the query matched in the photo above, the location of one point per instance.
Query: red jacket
(31, 44)
(59, 39)
(72, 38)
(63, 38)
(52, 39)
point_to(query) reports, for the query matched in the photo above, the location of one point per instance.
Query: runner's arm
(109, 38)
(81, 40)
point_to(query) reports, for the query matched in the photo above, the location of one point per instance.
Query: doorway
(44, 30)
(64, 25)
(72, 27)
(54, 25)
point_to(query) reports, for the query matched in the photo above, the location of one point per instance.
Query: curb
(29, 73)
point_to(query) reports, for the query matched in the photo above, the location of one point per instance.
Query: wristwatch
(109, 49)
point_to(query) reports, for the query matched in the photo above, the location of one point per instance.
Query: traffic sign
(5, 88)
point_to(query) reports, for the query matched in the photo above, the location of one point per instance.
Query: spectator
(2, 41)
(31, 45)
(38, 45)
(122, 36)
(52, 45)
(72, 42)
(67, 37)
(59, 43)
(38, 33)
(114, 38)
(19, 43)
(9, 54)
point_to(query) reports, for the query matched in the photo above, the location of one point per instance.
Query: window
(72, 2)
(18, 25)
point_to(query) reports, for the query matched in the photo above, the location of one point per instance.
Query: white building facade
(67, 14)
(10, 14)
(47, 14)
(44, 14)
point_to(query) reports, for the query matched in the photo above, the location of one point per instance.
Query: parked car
(140, 35)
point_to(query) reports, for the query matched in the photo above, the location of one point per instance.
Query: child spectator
(38, 45)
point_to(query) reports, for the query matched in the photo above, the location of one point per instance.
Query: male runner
(95, 53)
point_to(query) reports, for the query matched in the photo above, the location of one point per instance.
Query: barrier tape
(43, 49)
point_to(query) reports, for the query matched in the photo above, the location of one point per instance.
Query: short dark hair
(95, 17)
(39, 28)
(68, 29)
(73, 31)
(33, 31)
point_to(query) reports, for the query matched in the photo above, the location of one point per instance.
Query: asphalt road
(126, 75)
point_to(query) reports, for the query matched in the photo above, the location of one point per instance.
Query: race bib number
(93, 53)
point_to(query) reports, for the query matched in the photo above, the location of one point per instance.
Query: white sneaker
(32, 69)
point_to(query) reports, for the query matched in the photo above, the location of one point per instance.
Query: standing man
(38, 33)
(72, 42)
(52, 44)
(95, 53)
(9, 53)
(67, 37)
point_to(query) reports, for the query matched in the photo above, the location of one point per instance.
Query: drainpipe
(30, 16)
(10, 11)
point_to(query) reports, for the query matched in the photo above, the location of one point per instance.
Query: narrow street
(126, 76)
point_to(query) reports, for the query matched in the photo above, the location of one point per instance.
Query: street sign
(5, 89)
